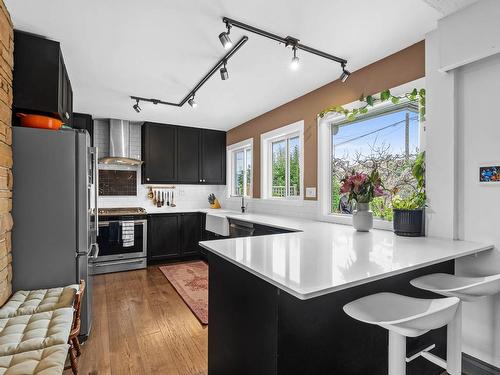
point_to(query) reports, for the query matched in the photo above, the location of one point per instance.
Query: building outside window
(240, 169)
(282, 162)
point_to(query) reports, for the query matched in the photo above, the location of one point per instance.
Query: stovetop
(116, 211)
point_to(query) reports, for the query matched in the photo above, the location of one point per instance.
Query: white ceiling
(446, 7)
(161, 48)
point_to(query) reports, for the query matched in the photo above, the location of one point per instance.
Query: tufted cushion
(26, 302)
(32, 332)
(48, 361)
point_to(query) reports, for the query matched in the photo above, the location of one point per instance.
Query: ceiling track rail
(223, 61)
(287, 41)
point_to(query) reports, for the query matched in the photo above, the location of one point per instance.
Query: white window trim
(230, 150)
(324, 148)
(266, 139)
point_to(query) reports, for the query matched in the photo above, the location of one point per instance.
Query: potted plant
(409, 212)
(361, 188)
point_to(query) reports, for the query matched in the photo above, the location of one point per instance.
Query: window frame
(286, 133)
(324, 163)
(231, 152)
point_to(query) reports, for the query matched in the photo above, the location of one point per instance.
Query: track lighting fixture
(345, 74)
(224, 37)
(295, 64)
(223, 72)
(287, 41)
(189, 98)
(192, 103)
(136, 106)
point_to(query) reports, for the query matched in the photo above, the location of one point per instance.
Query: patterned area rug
(190, 280)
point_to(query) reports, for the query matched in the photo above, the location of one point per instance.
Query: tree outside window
(285, 167)
(388, 141)
(242, 173)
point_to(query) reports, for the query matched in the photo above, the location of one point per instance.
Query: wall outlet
(311, 192)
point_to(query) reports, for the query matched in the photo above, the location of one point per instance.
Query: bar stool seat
(468, 289)
(410, 317)
(404, 317)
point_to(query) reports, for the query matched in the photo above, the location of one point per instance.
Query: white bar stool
(404, 317)
(468, 289)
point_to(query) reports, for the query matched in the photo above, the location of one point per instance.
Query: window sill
(347, 220)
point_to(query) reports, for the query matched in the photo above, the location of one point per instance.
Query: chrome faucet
(243, 206)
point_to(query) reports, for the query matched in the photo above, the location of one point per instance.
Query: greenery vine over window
(415, 96)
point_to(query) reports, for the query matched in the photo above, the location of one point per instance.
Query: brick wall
(6, 65)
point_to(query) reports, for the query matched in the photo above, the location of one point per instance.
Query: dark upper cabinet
(183, 155)
(188, 155)
(163, 237)
(213, 157)
(84, 122)
(190, 233)
(41, 83)
(159, 153)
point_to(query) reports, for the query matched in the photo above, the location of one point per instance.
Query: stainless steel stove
(122, 240)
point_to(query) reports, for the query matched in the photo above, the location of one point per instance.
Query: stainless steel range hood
(119, 144)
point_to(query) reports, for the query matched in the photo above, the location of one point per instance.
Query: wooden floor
(142, 326)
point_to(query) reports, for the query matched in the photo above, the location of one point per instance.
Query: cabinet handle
(147, 178)
(66, 115)
(201, 180)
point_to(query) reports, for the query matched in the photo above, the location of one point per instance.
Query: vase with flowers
(361, 188)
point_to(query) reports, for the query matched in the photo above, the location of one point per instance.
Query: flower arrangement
(361, 187)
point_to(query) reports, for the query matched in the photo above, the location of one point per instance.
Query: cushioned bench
(27, 302)
(48, 361)
(33, 332)
(37, 328)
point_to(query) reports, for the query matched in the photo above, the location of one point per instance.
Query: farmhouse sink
(218, 224)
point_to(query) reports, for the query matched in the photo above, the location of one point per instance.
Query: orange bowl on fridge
(39, 121)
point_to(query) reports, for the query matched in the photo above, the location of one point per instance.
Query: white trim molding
(230, 150)
(266, 139)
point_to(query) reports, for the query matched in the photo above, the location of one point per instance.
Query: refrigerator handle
(95, 177)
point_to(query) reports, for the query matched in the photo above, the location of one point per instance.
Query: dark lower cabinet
(174, 236)
(190, 233)
(163, 237)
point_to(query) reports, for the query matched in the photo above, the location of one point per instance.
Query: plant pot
(409, 223)
(362, 217)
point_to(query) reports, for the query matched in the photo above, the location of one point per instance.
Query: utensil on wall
(168, 198)
(172, 204)
(154, 197)
(150, 193)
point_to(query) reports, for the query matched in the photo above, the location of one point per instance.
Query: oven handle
(104, 264)
(106, 223)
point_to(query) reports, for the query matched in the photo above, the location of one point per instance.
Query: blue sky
(350, 137)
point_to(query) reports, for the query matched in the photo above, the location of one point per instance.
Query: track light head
(225, 39)
(136, 106)
(295, 64)
(223, 72)
(345, 74)
(192, 103)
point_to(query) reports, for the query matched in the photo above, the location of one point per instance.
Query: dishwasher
(239, 228)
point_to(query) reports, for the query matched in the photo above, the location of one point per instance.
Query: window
(388, 137)
(240, 168)
(282, 162)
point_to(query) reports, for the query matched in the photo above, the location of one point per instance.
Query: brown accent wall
(394, 70)
(6, 64)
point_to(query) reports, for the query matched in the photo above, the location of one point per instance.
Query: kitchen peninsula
(276, 301)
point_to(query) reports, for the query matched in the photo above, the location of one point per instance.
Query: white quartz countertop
(322, 258)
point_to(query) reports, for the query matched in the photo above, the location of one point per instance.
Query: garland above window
(415, 96)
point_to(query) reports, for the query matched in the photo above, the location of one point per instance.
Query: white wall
(463, 132)
(479, 205)
(186, 196)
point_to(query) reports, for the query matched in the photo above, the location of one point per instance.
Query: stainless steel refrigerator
(54, 211)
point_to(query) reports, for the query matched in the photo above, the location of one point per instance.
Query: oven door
(111, 245)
